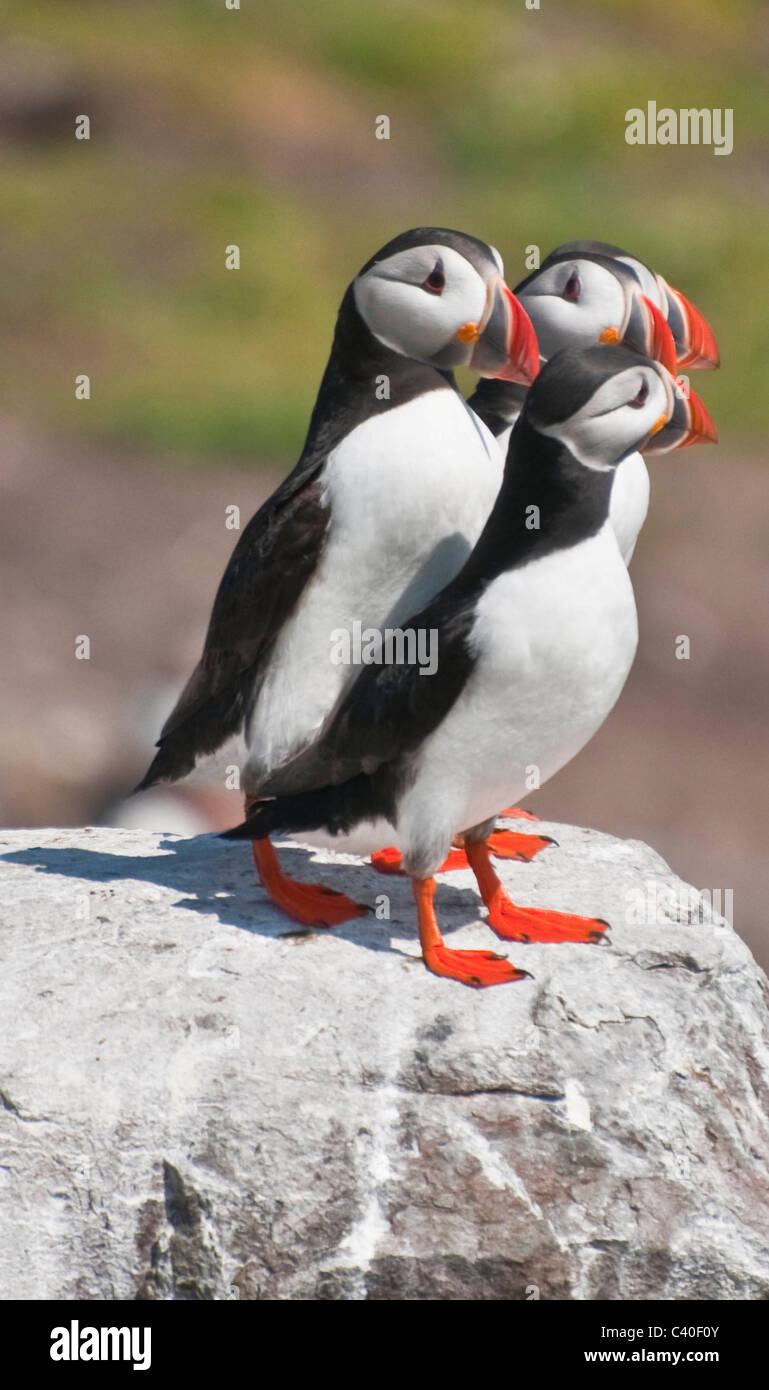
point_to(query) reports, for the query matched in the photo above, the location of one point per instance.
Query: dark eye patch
(641, 397)
(573, 288)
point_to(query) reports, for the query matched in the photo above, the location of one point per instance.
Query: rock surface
(200, 1102)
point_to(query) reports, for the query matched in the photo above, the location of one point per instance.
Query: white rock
(201, 1101)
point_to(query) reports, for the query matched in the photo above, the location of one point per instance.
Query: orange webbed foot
(515, 813)
(315, 905)
(312, 904)
(475, 968)
(505, 844)
(510, 844)
(513, 923)
(387, 861)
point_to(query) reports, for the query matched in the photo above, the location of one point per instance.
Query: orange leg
(526, 923)
(506, 844)
(476, 968)
(312, 904)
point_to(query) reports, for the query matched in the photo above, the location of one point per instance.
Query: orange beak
(695, 342)
(662, 346)
(523, 349)
(647, 331)
(689, 424)
(506, 345)
(701, 429)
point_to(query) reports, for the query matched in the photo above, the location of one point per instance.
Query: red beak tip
(663, 346)
(702, 430)
(701, 350)
(523, 348)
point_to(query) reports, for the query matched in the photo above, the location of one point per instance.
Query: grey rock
(200, 1101)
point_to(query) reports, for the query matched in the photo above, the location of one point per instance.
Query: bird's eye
(572, 288)
(642, 396)
(435, 280)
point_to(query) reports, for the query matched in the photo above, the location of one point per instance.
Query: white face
(572, 303)
(415, 301)
(618, 418)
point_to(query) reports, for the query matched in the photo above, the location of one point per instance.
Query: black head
(580, 297)
(438, 296)
(591, 291)
(605, 402)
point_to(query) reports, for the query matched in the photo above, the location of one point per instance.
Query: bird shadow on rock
(217, 878)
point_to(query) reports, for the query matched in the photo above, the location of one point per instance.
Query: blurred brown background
(211, 127)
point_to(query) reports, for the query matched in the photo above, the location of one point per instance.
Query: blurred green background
(256, 127)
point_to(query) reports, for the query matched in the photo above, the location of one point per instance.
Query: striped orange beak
(696, 346)
(506, 346)
(689, 424)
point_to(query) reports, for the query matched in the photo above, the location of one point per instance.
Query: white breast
(555, 641)
(629, 503)
(409, 493)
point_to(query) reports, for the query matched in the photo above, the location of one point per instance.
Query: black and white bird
(587, 292)
(392, 489)
(537, 634)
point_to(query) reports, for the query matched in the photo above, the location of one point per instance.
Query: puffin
(393, 486)
(591, 291)
(587, 292)
(537, 634)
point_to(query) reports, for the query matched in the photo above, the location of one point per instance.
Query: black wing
(389, 710)
(269, 568)
(497, 403)
(354, 771)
